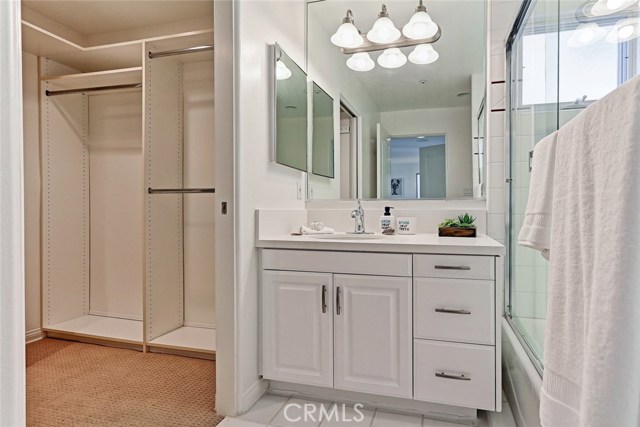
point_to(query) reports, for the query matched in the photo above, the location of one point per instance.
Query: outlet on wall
(299, 189)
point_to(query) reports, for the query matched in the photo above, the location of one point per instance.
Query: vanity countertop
(416, 243)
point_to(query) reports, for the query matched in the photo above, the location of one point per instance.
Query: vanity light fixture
(420, 31)
(282, 71)
(361, 62)
(347, 35)
(392, 58)
(607, 7)
(624, 30)
(383, 30)
(424, 54)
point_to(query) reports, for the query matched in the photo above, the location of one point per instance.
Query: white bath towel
(592, 336)
(323, 230)
(536, 230)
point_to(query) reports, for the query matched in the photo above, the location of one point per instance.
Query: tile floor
(270, 411)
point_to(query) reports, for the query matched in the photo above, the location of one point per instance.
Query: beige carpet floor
(74, 384)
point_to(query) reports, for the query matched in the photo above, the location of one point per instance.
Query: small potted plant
(462, 227)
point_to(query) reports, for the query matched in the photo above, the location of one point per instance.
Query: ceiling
(461, 50)
(93, 17)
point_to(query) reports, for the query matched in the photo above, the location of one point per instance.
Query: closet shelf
(123, 330)
(121, 76)
(188, 338)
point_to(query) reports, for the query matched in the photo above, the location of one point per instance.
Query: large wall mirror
(409, 117)
(289, 95)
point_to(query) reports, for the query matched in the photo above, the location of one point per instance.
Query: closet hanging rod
(180, 190)
(180, 51)
(91, 89)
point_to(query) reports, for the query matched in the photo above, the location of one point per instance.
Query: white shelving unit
(100, 327)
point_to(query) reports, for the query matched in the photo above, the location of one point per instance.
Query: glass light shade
(424, 54)
(383, 31)
(392, 58)
(586, 34)
(361, 62)
(347, 36)
(607, 7)
(624, 30)
(282, 71)
(420, 26)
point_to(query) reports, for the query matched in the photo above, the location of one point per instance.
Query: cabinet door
(297, 327)
(373, 334)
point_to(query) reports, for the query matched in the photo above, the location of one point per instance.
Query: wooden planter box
(456, 232)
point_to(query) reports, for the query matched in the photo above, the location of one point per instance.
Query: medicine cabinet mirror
(322, 141)
(289, 109)
(416, 133)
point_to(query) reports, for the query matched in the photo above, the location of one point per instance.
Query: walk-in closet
(127, 192)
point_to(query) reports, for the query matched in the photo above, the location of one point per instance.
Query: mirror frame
(274, 54)
(315, 85)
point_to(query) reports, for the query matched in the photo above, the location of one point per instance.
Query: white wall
(260, 184)
(454, 124)
(31, 135)
(12, 359)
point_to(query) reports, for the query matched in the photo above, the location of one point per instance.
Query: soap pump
(387, 221)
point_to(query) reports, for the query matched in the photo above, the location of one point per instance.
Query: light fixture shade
(607, 7)
(392, 58)
(586, 34)
(420, 26)
(347, 36)
(624, 30)
(424, 54)
(361, 62)
(282, 71)
(383, 30)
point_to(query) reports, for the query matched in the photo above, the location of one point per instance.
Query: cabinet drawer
(379, 264)
(454, 266)
(454, 310)
(454, 374)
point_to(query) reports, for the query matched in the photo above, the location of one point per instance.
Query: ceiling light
(420, 26)
(586, 34)
(383, 30)
(361, 62)
(392, 58)
(282, 72)
(423, 54)
(347, 35)
(624, 30)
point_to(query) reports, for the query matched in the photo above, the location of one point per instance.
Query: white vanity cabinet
(338, 327)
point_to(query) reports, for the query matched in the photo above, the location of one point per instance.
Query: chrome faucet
(358, 216)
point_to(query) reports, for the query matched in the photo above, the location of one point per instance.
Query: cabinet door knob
(460, 377)
(324, 298)
(452, 311)
(338, 310)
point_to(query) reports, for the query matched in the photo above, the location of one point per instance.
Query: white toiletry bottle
(387, 221)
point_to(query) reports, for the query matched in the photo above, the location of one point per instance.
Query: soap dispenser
(387, 221)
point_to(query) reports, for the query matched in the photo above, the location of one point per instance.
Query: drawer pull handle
(324, 299)
(452, 311)
(452, 267)
(452, 377)
(338, 308)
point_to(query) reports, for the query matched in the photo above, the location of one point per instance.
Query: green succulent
(463, 221)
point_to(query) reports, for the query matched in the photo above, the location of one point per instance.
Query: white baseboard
(251, 396)
(33, 335)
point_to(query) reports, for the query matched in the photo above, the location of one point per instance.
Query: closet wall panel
(65, 220)
(164, 298)
(199, 233)
(116, 180)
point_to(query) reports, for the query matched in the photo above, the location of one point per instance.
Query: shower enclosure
(562, 55)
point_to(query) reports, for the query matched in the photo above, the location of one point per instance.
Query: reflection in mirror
(290, 121)
(323, 133)
(434, 91)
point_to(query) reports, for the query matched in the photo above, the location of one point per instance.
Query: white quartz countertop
(417, 243)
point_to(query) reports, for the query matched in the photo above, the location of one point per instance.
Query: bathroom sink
(346, 236)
